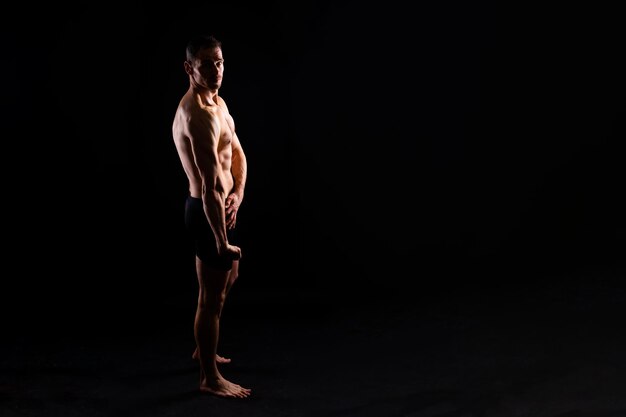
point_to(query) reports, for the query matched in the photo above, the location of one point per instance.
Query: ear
(188, 68)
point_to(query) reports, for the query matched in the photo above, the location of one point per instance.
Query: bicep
(203, 133)
(237, 148)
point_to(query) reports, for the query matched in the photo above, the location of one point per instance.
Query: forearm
(215, 212)
(240, 173)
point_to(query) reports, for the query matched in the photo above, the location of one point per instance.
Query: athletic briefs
(202, 237)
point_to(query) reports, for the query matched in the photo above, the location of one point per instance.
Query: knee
(233, 278)
(212, 303)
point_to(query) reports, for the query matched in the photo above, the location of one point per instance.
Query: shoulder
(191, 112)
(222, 103)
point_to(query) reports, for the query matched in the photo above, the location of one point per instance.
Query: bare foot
(223, 388)
(218, 359)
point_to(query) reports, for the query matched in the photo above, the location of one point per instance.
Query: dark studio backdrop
(390, 148)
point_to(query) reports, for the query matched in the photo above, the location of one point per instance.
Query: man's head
(204, 62)
(201, 42)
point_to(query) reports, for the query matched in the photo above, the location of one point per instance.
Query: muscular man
(215, 165)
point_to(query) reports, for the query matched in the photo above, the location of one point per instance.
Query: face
(207, 69)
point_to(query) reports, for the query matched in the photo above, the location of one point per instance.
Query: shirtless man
(215, 165)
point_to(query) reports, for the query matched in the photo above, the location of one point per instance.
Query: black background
(390, 149)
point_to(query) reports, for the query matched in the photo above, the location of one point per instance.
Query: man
(215, 165)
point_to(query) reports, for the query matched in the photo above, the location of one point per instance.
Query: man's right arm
(203, 131)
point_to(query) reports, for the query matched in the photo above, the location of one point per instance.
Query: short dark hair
(197, 43)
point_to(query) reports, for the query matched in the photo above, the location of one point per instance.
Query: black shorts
(202, 237)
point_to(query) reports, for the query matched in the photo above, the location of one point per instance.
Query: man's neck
(207, 97)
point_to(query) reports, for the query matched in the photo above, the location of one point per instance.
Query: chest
(227, 128)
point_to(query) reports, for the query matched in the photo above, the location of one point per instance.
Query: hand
(232, 252)
(232, 207)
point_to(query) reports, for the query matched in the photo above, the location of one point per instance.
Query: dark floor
(540, 347)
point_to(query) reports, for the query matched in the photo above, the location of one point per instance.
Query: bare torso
(190, 105)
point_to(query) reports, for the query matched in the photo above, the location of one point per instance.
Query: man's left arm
(239, 170)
